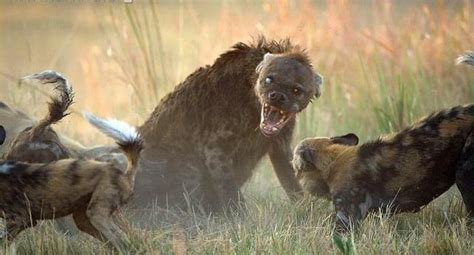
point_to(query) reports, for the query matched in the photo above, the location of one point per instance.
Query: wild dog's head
(40, 143)
(313, 158)
(286, 84)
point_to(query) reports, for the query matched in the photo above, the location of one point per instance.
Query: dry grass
(385, 64)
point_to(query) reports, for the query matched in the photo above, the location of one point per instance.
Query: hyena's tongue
(273, 119)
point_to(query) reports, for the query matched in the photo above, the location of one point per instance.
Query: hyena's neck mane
(243, 58)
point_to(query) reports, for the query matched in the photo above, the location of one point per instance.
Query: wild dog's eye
(296, 91)
(268, 80)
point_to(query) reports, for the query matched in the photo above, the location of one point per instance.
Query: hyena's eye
(268, 80)
(296, 91)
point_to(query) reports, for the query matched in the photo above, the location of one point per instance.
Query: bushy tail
(127, 138)
(58, 105)
(467, 58)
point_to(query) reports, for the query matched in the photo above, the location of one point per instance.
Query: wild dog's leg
(100, 211)
(121, 221)
(465, 175)
(83, 223)
(219, 166)
(109, 230)
(345, 214)
(280, 156)
(351, 208)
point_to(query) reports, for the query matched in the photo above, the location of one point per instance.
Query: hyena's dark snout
(277, 98)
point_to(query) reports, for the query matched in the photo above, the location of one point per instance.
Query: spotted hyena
(204, 140)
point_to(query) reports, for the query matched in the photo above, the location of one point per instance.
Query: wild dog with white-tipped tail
(90, 191)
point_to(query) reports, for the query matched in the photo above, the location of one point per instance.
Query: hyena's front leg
(280, 157)
(465, 175)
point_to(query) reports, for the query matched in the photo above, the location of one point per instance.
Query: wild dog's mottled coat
(91, 191)
(402, 172)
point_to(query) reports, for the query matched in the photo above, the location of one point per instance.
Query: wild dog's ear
(349, 139)
(317, 82)
(266, 59)
(3, 134)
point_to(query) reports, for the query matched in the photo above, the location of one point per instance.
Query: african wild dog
(33, 141)
(90, 191)
(401, 172)
(206, 137)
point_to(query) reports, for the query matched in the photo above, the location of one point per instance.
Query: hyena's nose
(277, 97)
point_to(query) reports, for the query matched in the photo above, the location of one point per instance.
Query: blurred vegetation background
(385, 63)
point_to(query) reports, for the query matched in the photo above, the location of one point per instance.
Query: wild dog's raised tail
(38, 142)
(58, 105)
(467, 58)
(127, 138)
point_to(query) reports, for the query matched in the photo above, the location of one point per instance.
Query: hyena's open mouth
(273, 119)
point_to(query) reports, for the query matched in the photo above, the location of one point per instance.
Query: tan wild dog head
(314, 158)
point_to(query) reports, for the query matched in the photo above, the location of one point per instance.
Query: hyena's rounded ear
(267, 58)
(317, 82)
(349, 139)
(3, 134)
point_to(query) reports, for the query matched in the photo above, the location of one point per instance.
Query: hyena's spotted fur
(204, 140)
(400, 173)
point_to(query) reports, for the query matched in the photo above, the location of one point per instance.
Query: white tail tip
(120, 131)
(467, 58)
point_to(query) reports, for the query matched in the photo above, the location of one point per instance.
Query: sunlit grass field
(385, 63)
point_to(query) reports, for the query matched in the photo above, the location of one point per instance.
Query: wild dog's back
(49, 190)
(422, 157)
